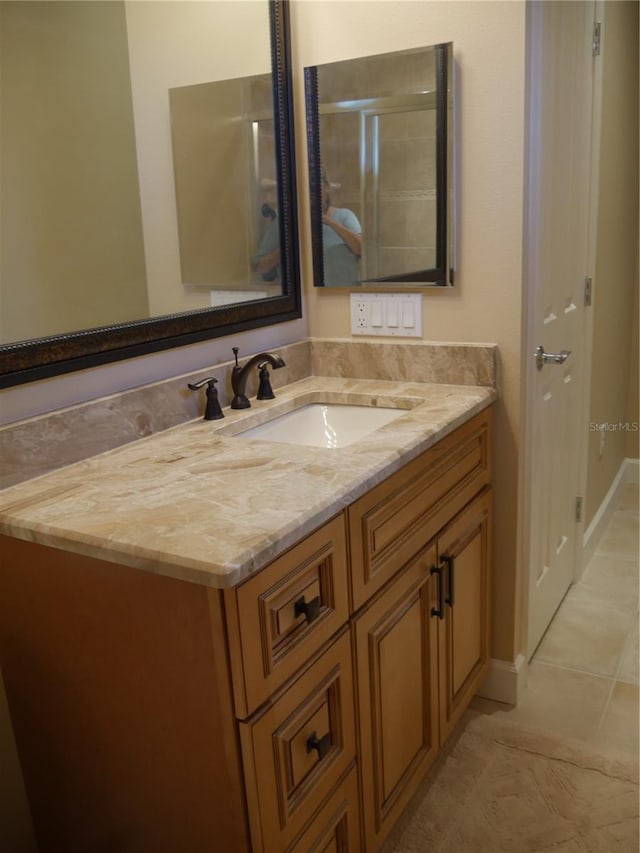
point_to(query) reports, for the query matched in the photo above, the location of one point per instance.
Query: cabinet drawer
(283, 615)
(393, 521)
(297, 749)
(336, 827)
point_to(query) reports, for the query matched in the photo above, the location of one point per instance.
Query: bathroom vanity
(217, 643)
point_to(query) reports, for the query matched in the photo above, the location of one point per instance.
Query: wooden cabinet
(464, 557)
(421, 651)
(295, 712)
(422, 537)
(396, 657)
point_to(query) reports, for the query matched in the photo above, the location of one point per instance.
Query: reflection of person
(267, 258)
(341, 241)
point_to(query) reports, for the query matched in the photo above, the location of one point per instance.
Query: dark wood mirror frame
(443, 273)
(27, 361)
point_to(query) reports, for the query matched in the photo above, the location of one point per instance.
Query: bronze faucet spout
(239, 376)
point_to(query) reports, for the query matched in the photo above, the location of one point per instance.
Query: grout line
(617, 554)
(573, 669)
(616, 678)
(628, 642)
(605, 709)
(593, 731)
(602, 604)
(624, 555)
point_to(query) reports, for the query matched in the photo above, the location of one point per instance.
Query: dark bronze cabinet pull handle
(439, 610)
(322, 745)
(450, 563)
(309, 608)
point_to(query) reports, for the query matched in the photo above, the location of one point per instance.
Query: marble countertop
(198, 504)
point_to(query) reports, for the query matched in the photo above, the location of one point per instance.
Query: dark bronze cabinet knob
(311, 609)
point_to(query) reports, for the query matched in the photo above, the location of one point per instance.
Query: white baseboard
(505, 680)
(627, 473)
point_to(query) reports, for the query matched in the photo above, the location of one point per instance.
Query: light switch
(376, 313)
(408, 315)
(392, 315)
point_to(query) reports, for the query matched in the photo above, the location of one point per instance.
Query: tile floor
(583, 678)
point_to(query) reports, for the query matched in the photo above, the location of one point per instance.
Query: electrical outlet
(362, 314)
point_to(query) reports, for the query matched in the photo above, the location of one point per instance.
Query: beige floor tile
(592, 640)
(619, 727)
(620, 535)
(608, 579)
(628, 497)
(586, 636)
(556, 700)
(629, 665)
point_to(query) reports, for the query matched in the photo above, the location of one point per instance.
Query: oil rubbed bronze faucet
(212, 412)
(239, 377)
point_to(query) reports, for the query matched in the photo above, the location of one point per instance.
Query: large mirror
(380, 146)
(147, 178)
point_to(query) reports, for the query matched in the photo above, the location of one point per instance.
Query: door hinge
(579, 509)
(596, 38)
(588, 287)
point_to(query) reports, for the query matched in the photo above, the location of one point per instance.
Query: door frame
(534, 61)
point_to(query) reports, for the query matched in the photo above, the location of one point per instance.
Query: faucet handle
(265, 391)
(213, 411)
(235, 351)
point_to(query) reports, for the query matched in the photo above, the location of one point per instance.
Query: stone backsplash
(36, 446)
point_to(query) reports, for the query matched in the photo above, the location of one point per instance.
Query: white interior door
(559, 163)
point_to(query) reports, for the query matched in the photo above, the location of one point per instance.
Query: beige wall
(616, 274)
(488, 40)
(67, 262)
(174, 44)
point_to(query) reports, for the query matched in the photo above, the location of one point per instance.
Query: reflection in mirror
(146, 161)
(226, 191)
(379, 133)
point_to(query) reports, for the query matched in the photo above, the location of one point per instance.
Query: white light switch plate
(397, 315)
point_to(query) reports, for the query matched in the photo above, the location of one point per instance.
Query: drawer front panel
(284, 614)
(296, 750)
(336, 828)
(393, 521)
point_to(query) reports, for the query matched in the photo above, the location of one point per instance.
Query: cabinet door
(464, 550)
(396, 660)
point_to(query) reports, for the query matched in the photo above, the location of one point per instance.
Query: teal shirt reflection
(341, 264)
(266, 260)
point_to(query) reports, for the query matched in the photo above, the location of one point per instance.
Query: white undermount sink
(323, 425)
